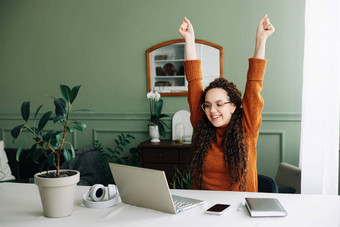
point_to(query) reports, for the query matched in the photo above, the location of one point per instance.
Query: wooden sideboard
(165, 155)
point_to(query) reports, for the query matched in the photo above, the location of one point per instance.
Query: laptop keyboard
(181, 205)
(184, 203)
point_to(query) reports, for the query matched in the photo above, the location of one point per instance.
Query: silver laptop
(148, 188)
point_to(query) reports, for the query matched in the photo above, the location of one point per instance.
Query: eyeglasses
(208, 106)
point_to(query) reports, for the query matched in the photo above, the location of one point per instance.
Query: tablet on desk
(265, 207)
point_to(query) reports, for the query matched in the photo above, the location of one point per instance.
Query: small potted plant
(56, 187)
(156, 125)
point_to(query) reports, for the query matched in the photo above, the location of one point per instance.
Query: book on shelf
(265, 207)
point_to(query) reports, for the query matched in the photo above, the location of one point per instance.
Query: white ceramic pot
(154, 133)
(57, 194)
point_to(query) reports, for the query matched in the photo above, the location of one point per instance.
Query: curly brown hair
(234, 143)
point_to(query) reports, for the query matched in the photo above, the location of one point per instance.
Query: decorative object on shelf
(169, 69)
(179, 128)
(163, 83)
(159, 71)
(49, 149)
(156, 105)
(182, 117)
(161, 57)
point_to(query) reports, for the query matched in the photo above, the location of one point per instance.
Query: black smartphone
(217, 209)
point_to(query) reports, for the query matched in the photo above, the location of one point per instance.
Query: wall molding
(96, 131)
(145, 116)
(281, 135)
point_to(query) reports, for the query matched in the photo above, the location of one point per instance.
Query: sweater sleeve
(252, 100)
(193, 73)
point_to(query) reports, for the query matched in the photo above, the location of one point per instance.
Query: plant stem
(35, 134)
(63, 140)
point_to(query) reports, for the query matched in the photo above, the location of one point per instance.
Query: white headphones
(97, 194)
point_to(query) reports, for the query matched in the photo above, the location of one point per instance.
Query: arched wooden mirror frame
(155, 47)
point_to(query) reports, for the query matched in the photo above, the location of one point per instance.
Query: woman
(225, 126)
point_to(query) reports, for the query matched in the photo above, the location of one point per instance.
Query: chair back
(266, 184)
(288, 177)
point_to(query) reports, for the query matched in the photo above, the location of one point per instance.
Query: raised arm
(264, 30)
(187, 32)
(193, 71)
(252, 99)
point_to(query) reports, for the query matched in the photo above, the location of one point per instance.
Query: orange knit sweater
(215, 174)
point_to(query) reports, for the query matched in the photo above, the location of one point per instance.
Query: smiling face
(218, 109)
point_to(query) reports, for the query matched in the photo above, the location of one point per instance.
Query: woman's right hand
(186, 30)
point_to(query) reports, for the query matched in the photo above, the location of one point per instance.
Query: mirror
(165, 70)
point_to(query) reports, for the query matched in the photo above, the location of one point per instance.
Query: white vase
(154, 133)
(57, 194)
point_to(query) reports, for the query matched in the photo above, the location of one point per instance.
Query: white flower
(150, 95)
(157, 96)
(153, 96)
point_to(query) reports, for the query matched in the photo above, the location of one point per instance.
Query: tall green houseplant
(51, 145)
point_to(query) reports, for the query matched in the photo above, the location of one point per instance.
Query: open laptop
(148, 188)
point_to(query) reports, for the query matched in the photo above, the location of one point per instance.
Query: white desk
(20, 206)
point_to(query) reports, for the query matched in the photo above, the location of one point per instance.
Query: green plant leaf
(16, 130)
(44, 119)
(25, 110)
(120, 148)
(51, 134)
(59, 118)
(109, 149)
(163, 123)
(77, 127)
(60, 106)
(120, 138)
(161, 130)
(163, 115)
(67, 155)
(66, 92)
(116, 141)
(20, 149)
(35, 154)
(83, 125)
(126, 141)
(159, 106)
(75, 91)
(59, 138)
(68, 129)
(51, 159)
(36, 113)
(130, 136)
(73, 152)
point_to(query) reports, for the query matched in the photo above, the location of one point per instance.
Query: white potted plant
(156, 125)
(56, 187)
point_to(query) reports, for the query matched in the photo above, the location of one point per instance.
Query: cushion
(5, 170)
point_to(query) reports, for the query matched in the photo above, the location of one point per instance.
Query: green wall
(101, 45)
